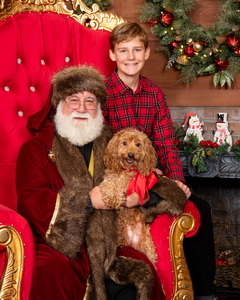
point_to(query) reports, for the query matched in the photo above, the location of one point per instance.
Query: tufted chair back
(33, 46)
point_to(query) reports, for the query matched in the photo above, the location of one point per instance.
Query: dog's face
(130, 149)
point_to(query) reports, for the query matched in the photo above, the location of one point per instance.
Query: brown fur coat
(74, 226)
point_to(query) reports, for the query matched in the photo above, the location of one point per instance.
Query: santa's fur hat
(72, 80)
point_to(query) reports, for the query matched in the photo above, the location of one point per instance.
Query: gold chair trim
(12, 275)
(183, 289)
(92, 18)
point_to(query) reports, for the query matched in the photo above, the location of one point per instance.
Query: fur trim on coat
(68, 231)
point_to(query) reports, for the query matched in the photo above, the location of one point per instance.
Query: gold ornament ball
(190, 41)
(182, 60)
(197, 47)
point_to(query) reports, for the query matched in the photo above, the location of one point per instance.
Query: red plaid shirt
(146, 110)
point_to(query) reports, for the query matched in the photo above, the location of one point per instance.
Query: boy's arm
(164, 141)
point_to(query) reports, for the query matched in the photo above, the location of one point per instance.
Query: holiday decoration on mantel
(194, 50)
(195, 127)
(222, 134)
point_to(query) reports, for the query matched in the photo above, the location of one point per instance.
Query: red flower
(152, 22)
(208, 143)
(214, 145)
(221, 64)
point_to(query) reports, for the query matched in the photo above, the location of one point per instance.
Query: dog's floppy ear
(150, 160)
(111, 153)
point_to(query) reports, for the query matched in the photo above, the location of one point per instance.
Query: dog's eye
(124, 143)
(138, 144)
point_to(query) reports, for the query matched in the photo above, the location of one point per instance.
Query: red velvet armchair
(37, 39)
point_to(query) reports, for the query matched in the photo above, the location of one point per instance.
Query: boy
(135, 101)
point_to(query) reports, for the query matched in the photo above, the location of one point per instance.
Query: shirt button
(42, 62)
(19, 61)
(32, 88)
(67, 59)
(20, 113)
(6, 88)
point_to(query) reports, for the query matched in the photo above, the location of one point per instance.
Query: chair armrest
(183, 285)
(17, 238)
(168, 234)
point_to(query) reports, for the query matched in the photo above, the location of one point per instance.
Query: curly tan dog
(130, 160)
(128, 156)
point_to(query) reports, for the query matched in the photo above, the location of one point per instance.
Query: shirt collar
(122, 87)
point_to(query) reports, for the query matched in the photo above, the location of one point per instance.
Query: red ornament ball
(173, 45)
(232, 41)
(203, 143)
(189, 51)
(221, 64)
(166, 19)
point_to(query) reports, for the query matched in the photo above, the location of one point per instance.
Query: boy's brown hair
(126, 32)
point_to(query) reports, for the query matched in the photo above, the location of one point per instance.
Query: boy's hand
(134, 200)
(158, 171)
(184, 187)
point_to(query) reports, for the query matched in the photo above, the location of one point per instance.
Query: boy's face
(130, 57)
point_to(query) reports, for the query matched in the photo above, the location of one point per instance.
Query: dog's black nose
(130, 155)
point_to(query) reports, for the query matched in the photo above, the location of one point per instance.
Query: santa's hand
(96, 198)
(184, 187)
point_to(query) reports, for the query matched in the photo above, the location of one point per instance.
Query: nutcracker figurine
(194, 126)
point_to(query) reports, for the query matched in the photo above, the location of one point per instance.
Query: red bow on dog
(141, 184)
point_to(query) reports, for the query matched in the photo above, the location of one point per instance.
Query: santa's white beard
(76, 132)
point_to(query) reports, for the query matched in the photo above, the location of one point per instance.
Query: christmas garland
(194, 50)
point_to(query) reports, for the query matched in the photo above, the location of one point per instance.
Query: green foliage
(214, 55)
(200, 152)
(103, 4)
(236, 150)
